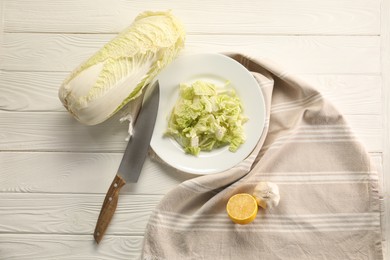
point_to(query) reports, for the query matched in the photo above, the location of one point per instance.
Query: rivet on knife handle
(108, 208)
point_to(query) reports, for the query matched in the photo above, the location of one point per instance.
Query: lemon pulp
(242, 208)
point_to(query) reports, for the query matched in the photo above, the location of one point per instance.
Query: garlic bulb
(266, 194)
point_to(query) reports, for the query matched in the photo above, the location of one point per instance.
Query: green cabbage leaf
(206, 117)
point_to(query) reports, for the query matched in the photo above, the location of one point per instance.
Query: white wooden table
(54, 172)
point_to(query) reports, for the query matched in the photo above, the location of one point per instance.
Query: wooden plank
(57, 131)
(349, 93)
(65, 247)
(244, 17)
(30, 91)
(26, 172)
(59, 52)
(80, 173)
(298, 54)
(37, 91)
(72, 213)
(385, 66)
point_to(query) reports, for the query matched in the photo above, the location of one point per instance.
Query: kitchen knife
(133, 158)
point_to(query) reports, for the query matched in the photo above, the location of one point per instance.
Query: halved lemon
(242, 208)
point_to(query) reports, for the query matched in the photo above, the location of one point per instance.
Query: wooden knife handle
(108, 208)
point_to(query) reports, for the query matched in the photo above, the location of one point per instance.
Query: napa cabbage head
(120, 70)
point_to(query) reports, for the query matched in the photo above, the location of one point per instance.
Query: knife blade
(133, 158)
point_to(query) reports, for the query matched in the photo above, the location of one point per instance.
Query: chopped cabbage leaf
(206, 117)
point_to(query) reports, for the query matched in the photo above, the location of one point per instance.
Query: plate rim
(226, 58)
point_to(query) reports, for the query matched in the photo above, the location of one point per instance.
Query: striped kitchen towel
(330, 203)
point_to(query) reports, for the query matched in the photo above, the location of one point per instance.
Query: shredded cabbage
(207, 117)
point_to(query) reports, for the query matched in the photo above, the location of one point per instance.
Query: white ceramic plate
(216, 68)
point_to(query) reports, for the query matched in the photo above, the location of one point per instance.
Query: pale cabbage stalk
(120, 70)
